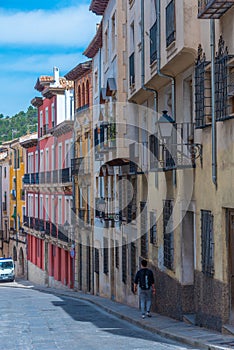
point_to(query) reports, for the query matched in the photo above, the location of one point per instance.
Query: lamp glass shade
(165, 123)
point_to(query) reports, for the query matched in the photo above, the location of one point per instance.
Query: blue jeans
(145, 300)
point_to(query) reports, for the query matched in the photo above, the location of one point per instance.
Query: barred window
(207, 238)
(168, 236)
(144, 232)
(96, 266)
(116, 254)
(105, 255)
(153, 228)
(202, 90)
(124, 261)
(133, 264)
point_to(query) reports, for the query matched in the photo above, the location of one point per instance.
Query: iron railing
(208, 9)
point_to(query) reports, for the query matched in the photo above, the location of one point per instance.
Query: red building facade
(48, 185)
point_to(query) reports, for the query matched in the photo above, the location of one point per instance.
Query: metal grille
(202, 89)
(144, 232)
(207, 238)
(116, 254)
(105, 255)
(153, 228)
(133, 264)
(96, 257)
(223, 82)
(170, 22)
(124, 261)
(168, 239)
(154, 151)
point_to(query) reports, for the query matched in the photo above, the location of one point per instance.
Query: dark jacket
(144, 278)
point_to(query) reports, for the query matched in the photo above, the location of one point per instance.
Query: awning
(107, 169)
(111, 86)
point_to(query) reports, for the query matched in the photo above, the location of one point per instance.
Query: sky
(35, 36)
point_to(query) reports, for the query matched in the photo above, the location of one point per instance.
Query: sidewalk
(164, 326)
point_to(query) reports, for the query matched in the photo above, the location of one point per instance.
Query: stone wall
(172, 299)
(211, 301)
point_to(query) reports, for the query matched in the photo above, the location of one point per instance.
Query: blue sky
(35, 36)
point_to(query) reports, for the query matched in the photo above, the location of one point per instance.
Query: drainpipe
(158, 33)
(214, 137)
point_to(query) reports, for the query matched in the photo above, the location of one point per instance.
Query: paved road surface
(32, 319)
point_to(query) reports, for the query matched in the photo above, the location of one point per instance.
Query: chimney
(56, 76)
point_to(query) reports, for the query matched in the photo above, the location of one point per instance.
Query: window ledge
(171, 49)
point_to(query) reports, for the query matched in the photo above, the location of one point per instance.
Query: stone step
(189, 318)
(228, 329)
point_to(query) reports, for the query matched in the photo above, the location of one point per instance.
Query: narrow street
(32, 319)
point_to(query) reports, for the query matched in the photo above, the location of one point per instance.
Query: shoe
(149, 314)
(143, 316)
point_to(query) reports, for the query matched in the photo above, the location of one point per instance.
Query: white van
(7, 269)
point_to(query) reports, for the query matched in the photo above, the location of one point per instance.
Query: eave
(63, 128)
(80, 70)
(37, 102)
(95, 44)
(98, 6)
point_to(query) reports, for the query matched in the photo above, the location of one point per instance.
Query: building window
(133, 264)
(105, 256)
(153, 228)
(170, 23)
(113, 33)
(202, 90)
(106, 48)
(153, 43)
(53, 115)
(168, 239)
(96, 262)
(207, 238)
(5, 172)
(116, 254)
(124, 261)
(144, 232)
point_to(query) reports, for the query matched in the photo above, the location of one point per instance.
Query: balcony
(81, 166)
(65, 175)
(53, 230)
(105, 137)
(82, 108)
(47, 228)
(62, 236)
(176, 152)
(26, 221)
(37, 224)
(208, 9)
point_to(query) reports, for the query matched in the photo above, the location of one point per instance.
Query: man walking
(145, 278)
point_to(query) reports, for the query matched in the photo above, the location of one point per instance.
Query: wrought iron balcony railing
(62, 235)
(215, 9)
(177, 152)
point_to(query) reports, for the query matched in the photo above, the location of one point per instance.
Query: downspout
(214, 137)
(158, 33)
(143, 70)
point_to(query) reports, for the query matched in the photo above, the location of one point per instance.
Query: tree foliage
(18, 125)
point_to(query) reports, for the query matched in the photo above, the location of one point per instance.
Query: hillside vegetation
(18, 125)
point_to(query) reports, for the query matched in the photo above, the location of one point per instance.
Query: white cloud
(74, 27)
(42, 63)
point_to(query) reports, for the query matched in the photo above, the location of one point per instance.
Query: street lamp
(165, 125)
